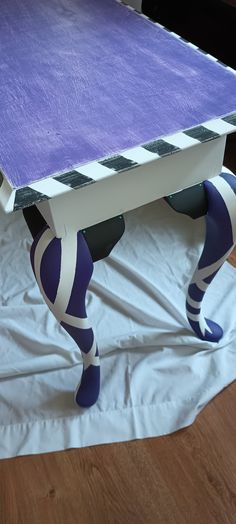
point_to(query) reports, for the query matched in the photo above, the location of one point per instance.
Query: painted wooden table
(103, 111)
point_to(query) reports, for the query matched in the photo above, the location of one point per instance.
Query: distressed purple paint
(82, 80)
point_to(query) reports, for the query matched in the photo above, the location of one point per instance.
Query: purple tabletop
(82, 80)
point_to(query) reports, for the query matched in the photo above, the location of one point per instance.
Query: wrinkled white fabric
(156, 376)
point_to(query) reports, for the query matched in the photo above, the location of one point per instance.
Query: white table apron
(125, 191)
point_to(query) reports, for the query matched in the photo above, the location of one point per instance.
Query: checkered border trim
(15, 199)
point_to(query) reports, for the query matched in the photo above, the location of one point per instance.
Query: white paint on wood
(136, 187)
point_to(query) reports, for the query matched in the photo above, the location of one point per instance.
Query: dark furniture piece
(210, 24)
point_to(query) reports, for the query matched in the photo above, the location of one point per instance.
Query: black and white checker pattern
(13, 199)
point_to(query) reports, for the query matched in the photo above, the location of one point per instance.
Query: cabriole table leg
(220, 239)
(63, 268)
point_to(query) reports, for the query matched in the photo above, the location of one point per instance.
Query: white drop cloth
(156, 374)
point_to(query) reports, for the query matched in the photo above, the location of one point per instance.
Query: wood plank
(232, 258)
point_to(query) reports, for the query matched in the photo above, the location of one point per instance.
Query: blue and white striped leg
(63, 268)
(219, 241)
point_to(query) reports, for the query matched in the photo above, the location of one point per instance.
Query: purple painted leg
(63, 269)
(219, 242)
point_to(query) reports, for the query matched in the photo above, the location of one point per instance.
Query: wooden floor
(186, 478)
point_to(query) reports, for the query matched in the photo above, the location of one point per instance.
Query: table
(103, 111)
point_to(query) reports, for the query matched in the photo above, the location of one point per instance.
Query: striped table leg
(219, 241)
(63, 268)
